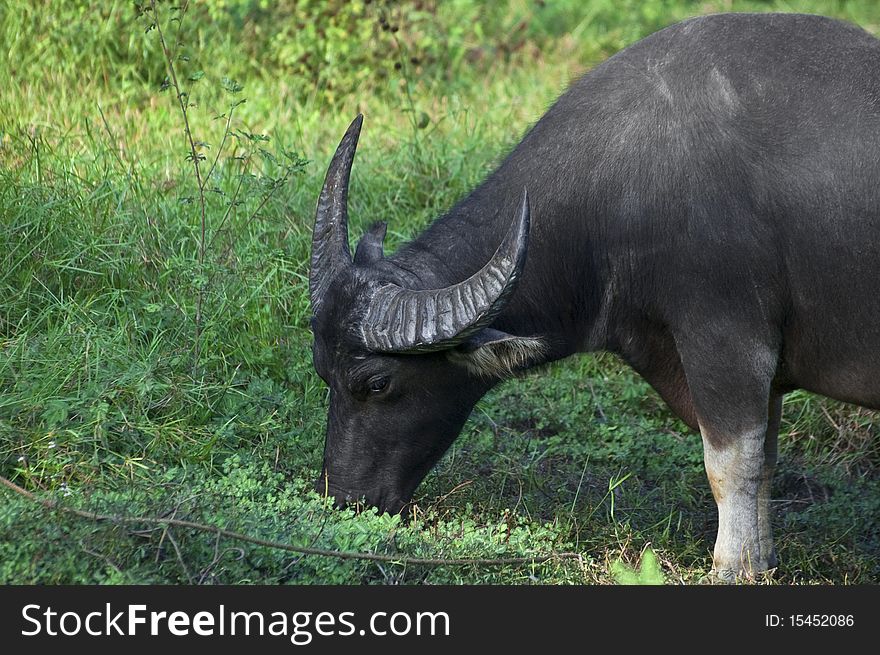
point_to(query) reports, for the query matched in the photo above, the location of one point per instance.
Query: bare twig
(226, 214)
(240, 555)
(179, 555)
(222, 141)
(166, 532)
(183, 102)
(109, 562)
(304, 550)
(317, 536)
(268, 195)
(218, 555)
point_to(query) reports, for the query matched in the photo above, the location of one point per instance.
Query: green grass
(103, 407)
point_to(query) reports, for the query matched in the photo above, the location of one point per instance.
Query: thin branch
(304, 550)
(222, 142)
(247, 223)
(232, 203)
(181, 13)
(314, 540)
(194, 154)
(109, 562)
(218, 555)
(166, 532)
(179, 555)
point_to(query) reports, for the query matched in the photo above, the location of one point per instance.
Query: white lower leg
(735, 471)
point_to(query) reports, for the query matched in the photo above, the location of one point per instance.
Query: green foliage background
(102, 407)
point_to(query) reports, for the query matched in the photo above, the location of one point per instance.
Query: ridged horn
(404, 320)
(330, 251)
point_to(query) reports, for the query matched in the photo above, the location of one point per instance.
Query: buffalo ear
(494, 354)
(371, 246)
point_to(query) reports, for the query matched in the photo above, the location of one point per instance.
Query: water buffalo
(705, 204)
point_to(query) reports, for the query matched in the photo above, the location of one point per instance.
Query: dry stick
(109, 562)
(222, 142)
(304, 550)
(179, 555)
(232, 202)
(250, 219)
(169, 59)
(221, 228)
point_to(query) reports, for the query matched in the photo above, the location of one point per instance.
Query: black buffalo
(705, 203)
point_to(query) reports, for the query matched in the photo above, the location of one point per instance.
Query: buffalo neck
(559, 296)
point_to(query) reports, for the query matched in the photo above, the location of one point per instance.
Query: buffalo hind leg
(731, 390)
(740, 472)
(734, 469)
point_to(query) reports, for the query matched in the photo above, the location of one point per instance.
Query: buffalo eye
(375, 385)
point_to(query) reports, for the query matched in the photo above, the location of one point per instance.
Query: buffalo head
(405, 361)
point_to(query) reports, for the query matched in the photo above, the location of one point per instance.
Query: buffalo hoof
(734, 576)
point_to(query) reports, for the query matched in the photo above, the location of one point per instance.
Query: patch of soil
(530, 426)
(795, 490)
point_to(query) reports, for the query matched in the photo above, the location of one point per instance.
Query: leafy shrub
(41, 546)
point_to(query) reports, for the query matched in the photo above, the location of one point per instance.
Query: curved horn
(403, 320)
(330, 252)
